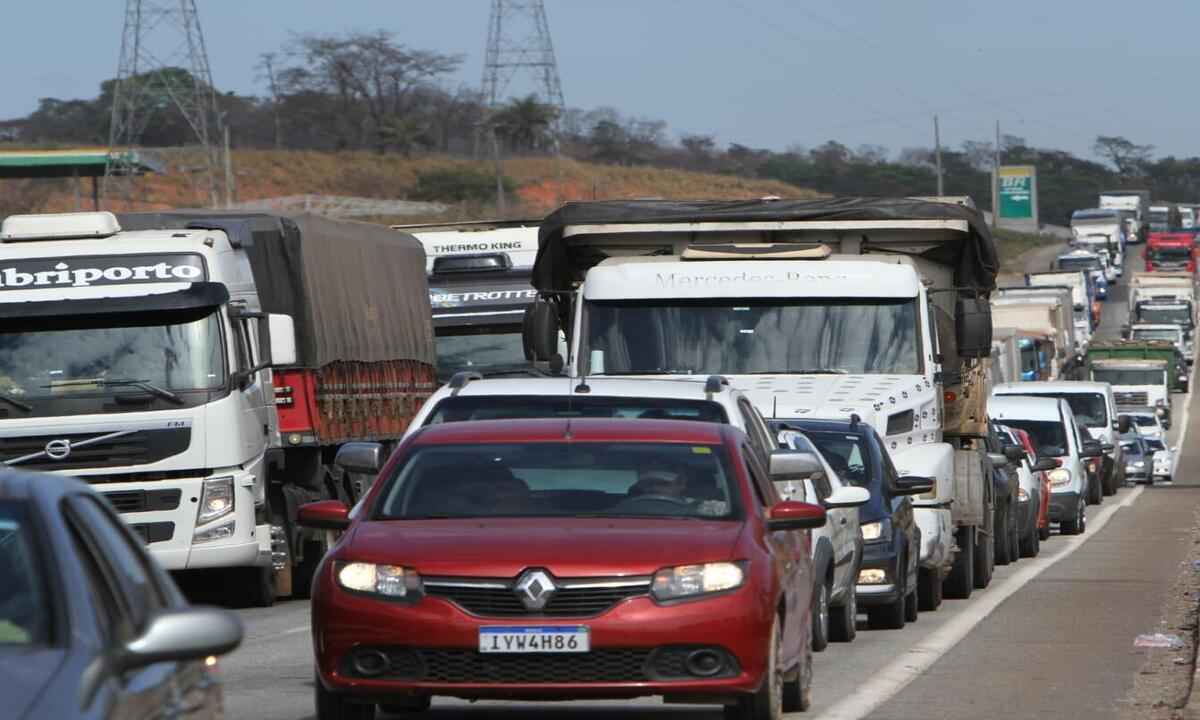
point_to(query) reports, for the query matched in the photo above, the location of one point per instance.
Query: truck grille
(131, 501)
(92, 450)
(490, 599)
(154, 532)
(1132, 399)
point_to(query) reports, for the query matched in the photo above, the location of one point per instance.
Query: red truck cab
(1170, 252)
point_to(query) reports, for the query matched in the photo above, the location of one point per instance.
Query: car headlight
(216, 499)
(1022, 495)
(686, 581)
(1060, 476)
(875, 531)
(390, 581)
(1139, 463)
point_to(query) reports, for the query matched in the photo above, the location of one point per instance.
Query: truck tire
(254, 586)
(961, 581)
(929, 589)
(305, 569)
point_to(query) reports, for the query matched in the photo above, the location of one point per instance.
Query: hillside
(263, 174)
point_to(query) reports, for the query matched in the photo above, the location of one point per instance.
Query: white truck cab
(1137, 384)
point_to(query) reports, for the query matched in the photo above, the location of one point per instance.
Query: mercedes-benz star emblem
(535, 588)
(58, 449)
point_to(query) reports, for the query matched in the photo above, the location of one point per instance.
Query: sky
(764, 73)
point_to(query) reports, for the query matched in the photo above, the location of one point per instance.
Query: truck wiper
(819, 371)
(19, 404)
(127, 382)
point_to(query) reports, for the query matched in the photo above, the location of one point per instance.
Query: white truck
(183, 363)
(1101, 229)
(1161, 287)
(1060, 307)
(1134, 202)
(1039, 340)
(1081, 299)
(1137, 384)
(821, 309)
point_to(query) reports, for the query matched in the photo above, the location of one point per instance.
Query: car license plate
(535, 639)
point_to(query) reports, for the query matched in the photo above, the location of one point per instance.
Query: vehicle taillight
(283, 395)
(949, 396)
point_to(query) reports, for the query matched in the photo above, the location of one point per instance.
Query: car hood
(567, 547)
(834, 396)
(28, 675)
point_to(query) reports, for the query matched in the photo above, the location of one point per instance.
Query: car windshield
(24, 605)
(484, 351)
(1079, 264)
(43, 366)
(501, 407)
(563, 479)
(1155, 444)
(845, 453)
(1129, 376)
(752, 337)
(1050, 438)
(1131, 447)
(1144, 420)
(1171, 334)
(1090, 409)
(1165, 315)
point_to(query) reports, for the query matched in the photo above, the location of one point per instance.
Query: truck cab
(1096, 229)
(1171, 252)
(1088, 262)
(1179, 314)
(1137, 384)
(1083, 299)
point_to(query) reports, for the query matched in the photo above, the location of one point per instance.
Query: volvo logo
(535, 588)
(58, 449)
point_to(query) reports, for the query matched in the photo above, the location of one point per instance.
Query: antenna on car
(774, 407)
(854, 420)
(582, 388)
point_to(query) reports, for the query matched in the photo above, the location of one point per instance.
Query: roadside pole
(937, 154)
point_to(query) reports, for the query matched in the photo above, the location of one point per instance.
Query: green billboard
(1017, 188)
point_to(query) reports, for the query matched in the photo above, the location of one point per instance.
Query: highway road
(1050, 637)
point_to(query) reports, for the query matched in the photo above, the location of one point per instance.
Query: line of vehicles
(633, 448)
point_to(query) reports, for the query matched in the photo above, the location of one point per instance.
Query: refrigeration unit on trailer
(821, 309)
(201, 368)
(1136, 203)
(479, 286)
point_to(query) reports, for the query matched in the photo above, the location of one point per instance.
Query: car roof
(684, 387)
(1017, 407)
(1038, 387)
(630, 430)
(813, 425)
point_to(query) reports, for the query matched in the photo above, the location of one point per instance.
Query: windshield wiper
(18, 404)
(127, 382)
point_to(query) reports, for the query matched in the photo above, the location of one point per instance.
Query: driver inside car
(660, 482)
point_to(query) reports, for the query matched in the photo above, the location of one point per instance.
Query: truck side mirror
(539, 330)
(973, 325)
(280, 343)
(1014, 453)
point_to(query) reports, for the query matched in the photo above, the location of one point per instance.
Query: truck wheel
(961, 581)
(929, 589)
(843, 626)
(305, 570)
(1003, 545)
(820, 617)
(255, 586)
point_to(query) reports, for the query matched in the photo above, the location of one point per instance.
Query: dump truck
(876, 308)
(1177, 369)
(202, 369)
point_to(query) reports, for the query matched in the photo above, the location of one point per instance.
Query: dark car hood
(25, 675)
(567, 547)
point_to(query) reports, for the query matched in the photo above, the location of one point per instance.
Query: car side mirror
(791, 515)
(998, 460)
(973, 327)
(913, 485)
(1091, 449)
(324, 515)
(793, 466)
(539, 330)
(365, 458)
(1044, 464)
(1108, 447)
(1014, 453)
(179, 635)
(848, 496)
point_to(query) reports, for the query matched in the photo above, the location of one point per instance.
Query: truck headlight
(216, 499)
(224, 531)
(389, 581)
(875, 531)
(1060, 476)
(686, 581)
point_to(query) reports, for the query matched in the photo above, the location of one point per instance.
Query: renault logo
(535, 588)
(58, 449)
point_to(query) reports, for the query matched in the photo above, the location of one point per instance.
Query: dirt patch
(1164, 684)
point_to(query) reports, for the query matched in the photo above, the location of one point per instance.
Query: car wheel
(929, 589)
(1031, 544)
(843, 626)
(820, 617)
(1074, 526)
(1095, 493)
(767, 702)
(1014, 534)
(413, 705)
(961, 581)
(891, 616)
(797, 692)
(911, 608)
(985, 562)
(1001, 542)
(1044, 532)
(331, 706)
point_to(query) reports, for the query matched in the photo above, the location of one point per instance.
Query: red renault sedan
(566, 558)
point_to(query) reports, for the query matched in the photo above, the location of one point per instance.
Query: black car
(1006, 485)
(887, 583)
(90, 626)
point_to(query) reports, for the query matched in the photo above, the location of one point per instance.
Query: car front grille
(573, 598)
(1131, 399)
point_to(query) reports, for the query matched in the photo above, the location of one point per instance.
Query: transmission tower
(519, 41)
(163, 69)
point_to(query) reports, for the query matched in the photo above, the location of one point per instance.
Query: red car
(1043, 482)
(566, 558)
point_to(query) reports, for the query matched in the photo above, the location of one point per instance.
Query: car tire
(1095, 492)
(416, 704)
(985, 562)
(797, 692)
(767, 702)
(820, 617)
(1001, 540)
(929, 589)
(1075, 525)
(893, 615)
(843, 626)
(1109, 484)
(912, 608)
(332, 706)
(1031, 544)
(1044, 533)
(961, 581)
(1014, 534)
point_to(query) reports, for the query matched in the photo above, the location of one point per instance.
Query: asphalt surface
(1050, 637)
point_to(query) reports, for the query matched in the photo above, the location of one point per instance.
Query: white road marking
(914, 661)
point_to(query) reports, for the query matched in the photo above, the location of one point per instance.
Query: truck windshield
(1129, 376)
(1170, 253)
(1165, 315)
(1048, 436)
(1171, 334)
(1079, 264)
(743, 337)
(38, 368)
(1029, 359)
(483, 352)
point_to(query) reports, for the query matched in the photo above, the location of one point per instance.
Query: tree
(700, 146)
(609, 142)
(871, 154)
(1127, 157)
(525, 123)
